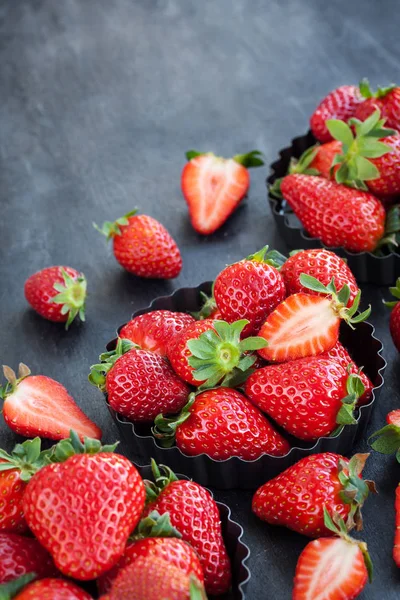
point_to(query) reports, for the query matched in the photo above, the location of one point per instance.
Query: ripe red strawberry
(143, 246)
(20, 555)
(296, 498)
(305, 325)
(153, 578)
(250, 289)
(221, 423)
(335, 568)
(83, 510)
(156, 329)
(214, 186)
(386, 99)
(340, 354)
(139, 383)
(57, 294)
(49, 589)
(341, 103)
(336, 214)
(309, 397)
(321, 264)
(195, 515)
(394, 322)
(37, 405)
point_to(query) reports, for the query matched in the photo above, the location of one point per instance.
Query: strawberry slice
(305, 325)
(213, 186)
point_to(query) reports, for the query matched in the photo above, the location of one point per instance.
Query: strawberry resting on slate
(143, 246)
(214, 186)
(394, 322)
(57, 294)
(38, 405)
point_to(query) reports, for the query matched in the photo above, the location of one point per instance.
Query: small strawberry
(214, 186)
(155, 330)
(42, 589)
(20, 555)
(340, 354)
(309, 397)
(37, 405)
(210, 352)
(386, 99)
(336, 214)
(143, 246)
(296, 498)
(394, 323)
(333, 568)
(250, 289)
(57, 294)
(139, 383)
(195, 515)
(221, 423)
(341, 103)
(153, 578)
(321, 264)
(305, 325)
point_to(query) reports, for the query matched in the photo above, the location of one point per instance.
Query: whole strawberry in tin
(394, 322)
(57, 294)
(139, 383)
(20, 555)
(250, 289)
(143, 246)
(341, 103)
(298, 496)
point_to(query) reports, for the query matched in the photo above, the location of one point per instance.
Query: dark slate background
(99, 101)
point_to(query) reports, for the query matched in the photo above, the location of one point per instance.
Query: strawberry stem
(255, 158)
(302, 164)
(395, 291)
(165, 427)
(12, 379)
(98, 372)
(72, 296)
(155, 525)
(271, 257)
(163, 476)
(381, 92)
(387, 440)
(355, 389)
(111, 229)
(209, 305)
(12, 588)
(354, 489)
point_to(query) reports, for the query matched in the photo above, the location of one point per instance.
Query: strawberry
(20, 555)
(175, 551)
(195, 515)
(333, 568)
(336, 214)
(308, 397)
(250, 289)
(386, 99)
(341, 103)
(57, 294)
(394, 323)
(156, 329)
(214, 186)
(296, 498)
(221, 423)
(321, 264)
(143, 246)
(340, 354)
(44, 589)
(83, 510)
(152, 578)
(37, 405)
(210, 352)
(139, 383)
(305, 325)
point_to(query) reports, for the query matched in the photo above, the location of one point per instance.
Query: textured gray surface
(99, 101)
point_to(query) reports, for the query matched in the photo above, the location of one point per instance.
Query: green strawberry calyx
(297, 165)
(395, 291)
(155, 525)
(208, 306)
(355, 165)
(111, 229)
(10, 589)
(196, 590)
(255, 158)
(219, 356)
(165, 428)
(339, 528)
(98, 372)
(71, 446)
(13, 379)
(355, 490)
(72, 296)
(386, 440)
(355, 389)
(339, 299)
(163, 476)
(381, 92)
(268, 257)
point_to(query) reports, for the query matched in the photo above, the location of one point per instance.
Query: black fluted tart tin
(237, 550)
(234, 472)
(367, 268)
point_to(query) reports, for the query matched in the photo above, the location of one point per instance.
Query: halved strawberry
(305, 325)
(213, 186)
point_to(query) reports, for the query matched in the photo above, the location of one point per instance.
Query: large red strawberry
(334, 568)
(305, 325)
(297, 497)
(341, 103)
(386, 99)
(250, 289)
(195, 515)
(321, 264)
(83, 510)
(38, 405)
(340, 354)
(214, 186)
(336, 214)
(156, 329)
(221, 423)
(139, 383)
(20, 555)
(143, 246)
(44, 589)
(394, 322)
(57, 294)
(309, 397)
